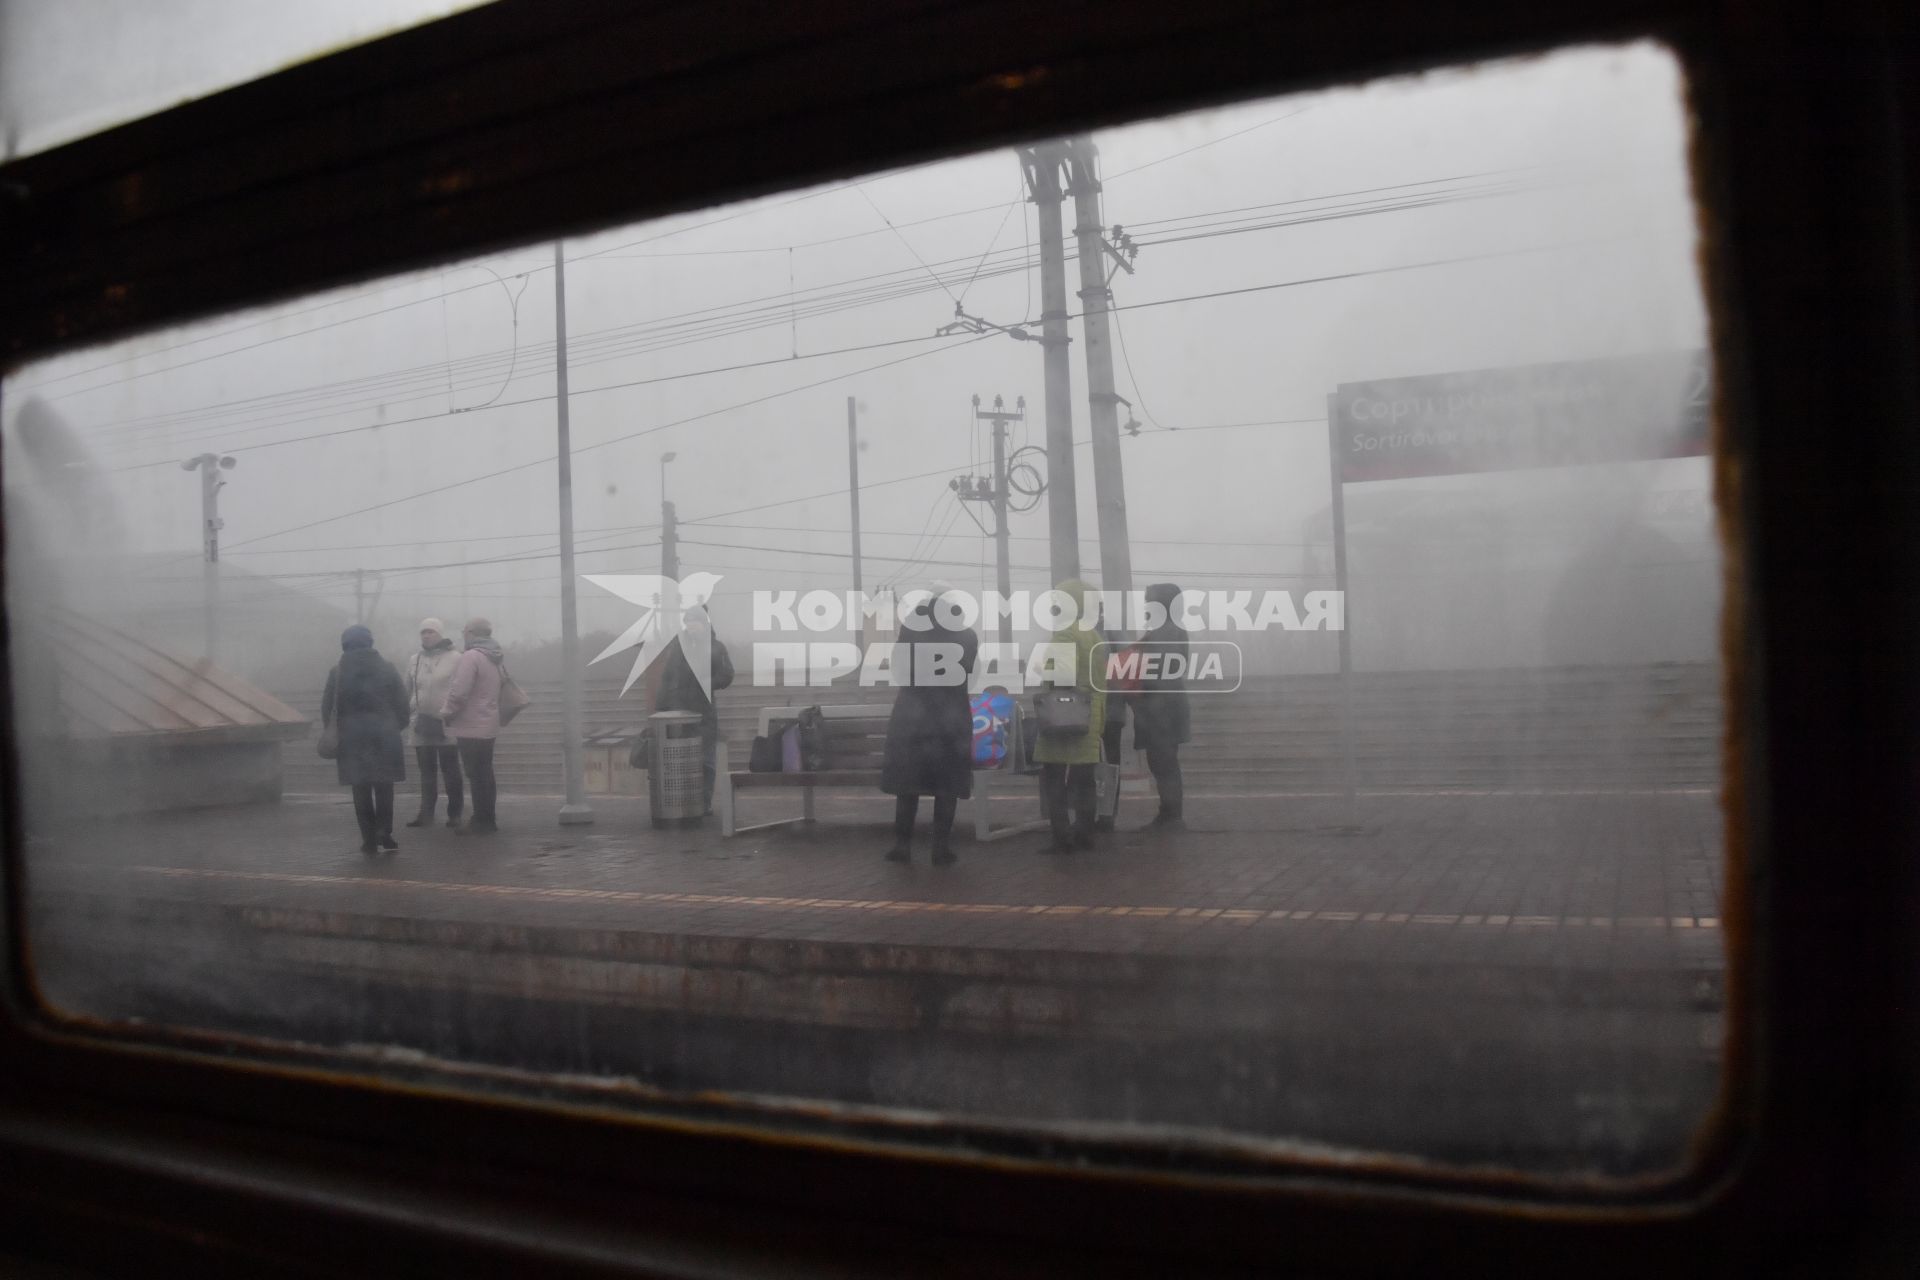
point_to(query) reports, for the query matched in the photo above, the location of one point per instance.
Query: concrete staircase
(1603, 727)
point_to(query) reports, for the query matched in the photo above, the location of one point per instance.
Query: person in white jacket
(429, 674)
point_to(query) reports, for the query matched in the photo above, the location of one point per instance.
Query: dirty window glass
(69, 68)
(1202, 631)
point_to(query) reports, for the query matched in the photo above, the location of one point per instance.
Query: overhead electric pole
(210, 465)
(575, 810)
(1042, 165)
(853, 484)
(853, 493)
(993, 490)
(1109, 481)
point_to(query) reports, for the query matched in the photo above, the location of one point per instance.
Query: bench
(855, 743)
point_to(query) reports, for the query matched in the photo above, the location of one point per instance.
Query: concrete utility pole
(1109, 483)
(1042, 165)
(994, 490)
(210, 465)
(575, 811)
(853, 492)
(853, 484)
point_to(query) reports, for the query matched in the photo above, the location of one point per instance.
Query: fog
(1486, 277)
(368, 424)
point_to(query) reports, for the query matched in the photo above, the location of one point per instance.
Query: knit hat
(433, 624)
(356, 637)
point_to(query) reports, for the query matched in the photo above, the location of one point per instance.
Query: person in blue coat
(367, 699)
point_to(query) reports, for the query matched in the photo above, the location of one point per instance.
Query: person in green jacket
(1068, 761)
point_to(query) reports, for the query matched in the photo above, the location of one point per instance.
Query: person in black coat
(1162, 719)
(680, 691)
(367, 699)
(930, 733)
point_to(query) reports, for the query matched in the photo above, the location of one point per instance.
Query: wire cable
(908, 243)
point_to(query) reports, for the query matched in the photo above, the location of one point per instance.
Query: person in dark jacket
(1162, 719)
(680, 691)
(930, 732)
(367, 699)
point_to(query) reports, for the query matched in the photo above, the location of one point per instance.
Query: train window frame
(245, 1151)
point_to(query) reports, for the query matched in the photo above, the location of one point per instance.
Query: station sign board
(1571, 413)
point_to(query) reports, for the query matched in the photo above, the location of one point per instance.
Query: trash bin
(676, 782)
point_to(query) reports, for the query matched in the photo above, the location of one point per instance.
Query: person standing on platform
(434, 750)
(1068, 760)
(367, 703)
(1162, 718)
(680, 691)
(472, 715)
(929, 749)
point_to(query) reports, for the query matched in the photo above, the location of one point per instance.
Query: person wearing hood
(1068, 760)
(428, 676)
(929, 747)
(680, 690)
(1162, 719)
(366, 701)
(472, 716)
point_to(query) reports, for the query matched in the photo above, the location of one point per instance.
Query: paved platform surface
(1522, 976)
(1609, 878)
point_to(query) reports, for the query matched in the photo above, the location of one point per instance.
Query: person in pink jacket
(472, 715)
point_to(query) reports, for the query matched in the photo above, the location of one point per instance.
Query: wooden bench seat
(855, 741)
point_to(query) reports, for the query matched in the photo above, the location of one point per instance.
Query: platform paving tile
(1602, 880)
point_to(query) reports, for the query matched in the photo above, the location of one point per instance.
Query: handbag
(1063, 713)
(329, 744)
(1106, 790)
(513, 699)
(764, 756)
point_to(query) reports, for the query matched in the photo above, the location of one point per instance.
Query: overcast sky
(1561, 181)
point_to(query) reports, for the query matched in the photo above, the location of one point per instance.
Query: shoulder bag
(513, 699)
